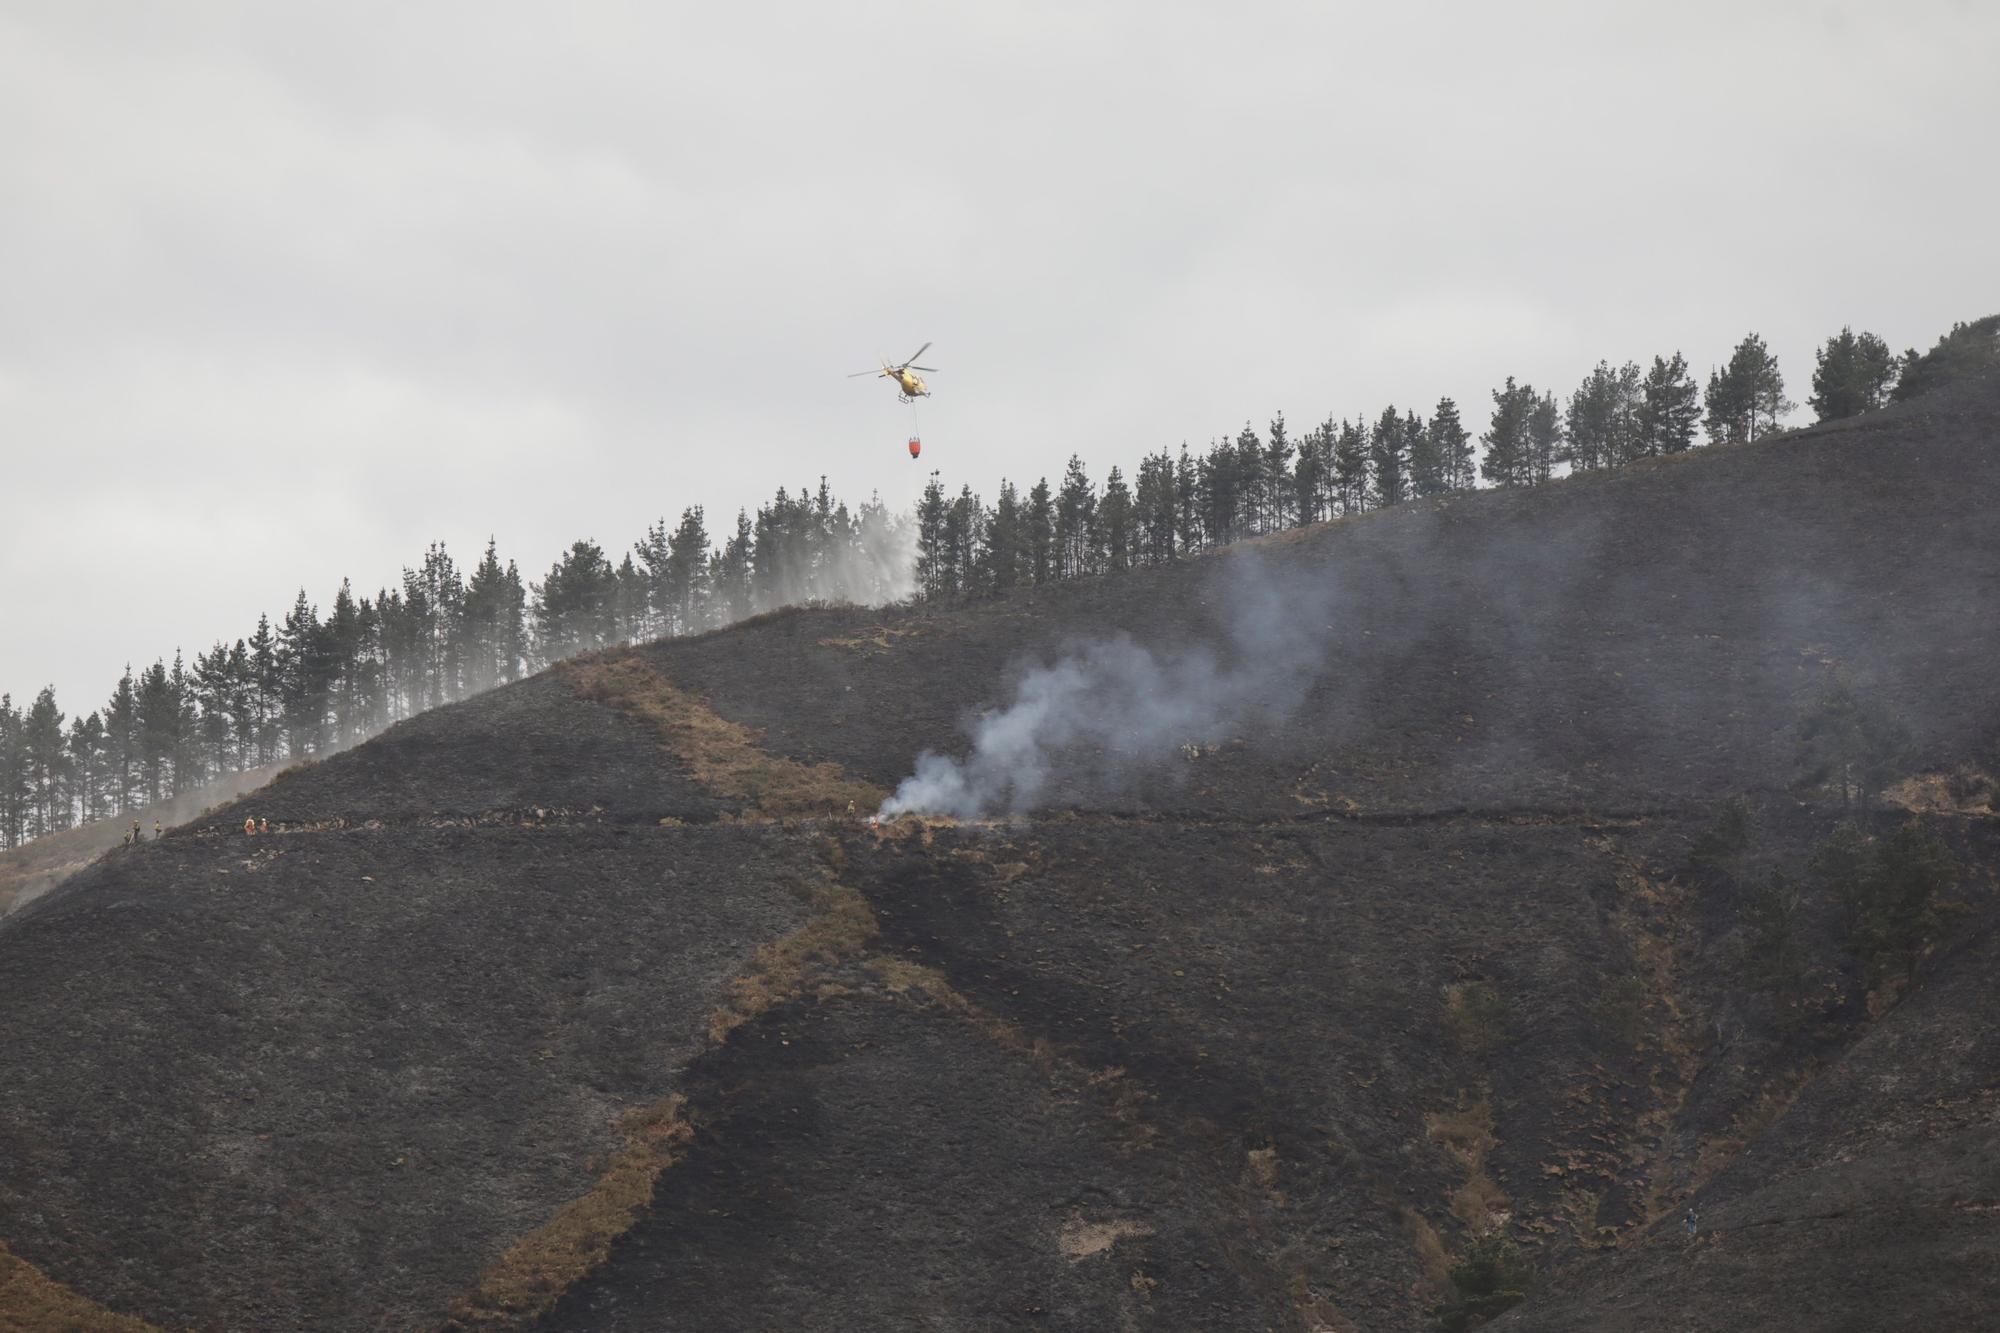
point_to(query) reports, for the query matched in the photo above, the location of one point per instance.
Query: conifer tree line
(312, 682)
(1173, 505)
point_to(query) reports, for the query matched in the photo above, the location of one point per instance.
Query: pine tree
(628, 603)
(1154, 510)
(655, 552)
(1669, 408)
(1309, 479)
(1728, 408)
(515, 641)
(687, 572)
(1221, 493)
(961, 541)
(1247, 468)
(1005, 557)
(14, 786)
(368, 667)
(1453, 445)
(1389, 459)
(1041, 544)
(1076, 510)
(1746, 398)
(1853, 374)
(1507, 461)
(188, 772)
(1350, 467)
(821, 539)
(1429, 469)
(730, 582)
(121, 742)
(1114, 522)
(931, 555)
(1601, 422)
(434, 599)
(240, 701)
(1274, 479)
(487, 609)
(575, 606)
(159, 730)
(1544, 438)
(1187, 501)
(45, 762)
(211, 693)
(340, 666)
(86, 756)
(775, 554)
(303, 678)
(1759, 370)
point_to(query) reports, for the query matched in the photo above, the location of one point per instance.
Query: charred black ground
(585, 1004)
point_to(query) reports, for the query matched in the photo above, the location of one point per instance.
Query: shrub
(1773, 951)
(1968, 786)
(1966, 352)
(1729, 839)
(1890, 892)
(1491, 1279)
(1848, 740)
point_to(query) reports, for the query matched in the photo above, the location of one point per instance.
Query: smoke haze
(1111, 708)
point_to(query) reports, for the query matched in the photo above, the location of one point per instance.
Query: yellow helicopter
(909, 387)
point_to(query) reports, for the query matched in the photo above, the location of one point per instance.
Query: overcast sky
(289, 291)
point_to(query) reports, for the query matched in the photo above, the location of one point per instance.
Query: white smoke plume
(1108, 710)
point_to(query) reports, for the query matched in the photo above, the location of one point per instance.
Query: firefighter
(249, 826)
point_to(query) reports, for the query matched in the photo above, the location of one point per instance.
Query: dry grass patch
(797, 964)
(526, 1281)
(1655, 916)
(902, 976)
(723, 756)
(1079, 1240)
(1719, 1150)
(1123, 1098)
(1964, 791)
(1262, 1164)
(1433, 1260)
(1466, 1132)
(31, 1302)
(882, 636)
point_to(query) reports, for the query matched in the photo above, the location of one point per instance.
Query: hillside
(585, 1004)
(35, 867)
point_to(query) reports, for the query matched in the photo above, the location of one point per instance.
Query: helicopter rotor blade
(919, 352)
(859, 373)
(930, 369)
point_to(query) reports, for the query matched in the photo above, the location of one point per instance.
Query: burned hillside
(596, 1001)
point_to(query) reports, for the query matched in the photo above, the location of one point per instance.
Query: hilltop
(586, 1004)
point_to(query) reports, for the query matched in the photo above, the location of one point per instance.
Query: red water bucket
(916, 446)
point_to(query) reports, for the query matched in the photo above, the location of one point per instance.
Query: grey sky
(287, 291)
